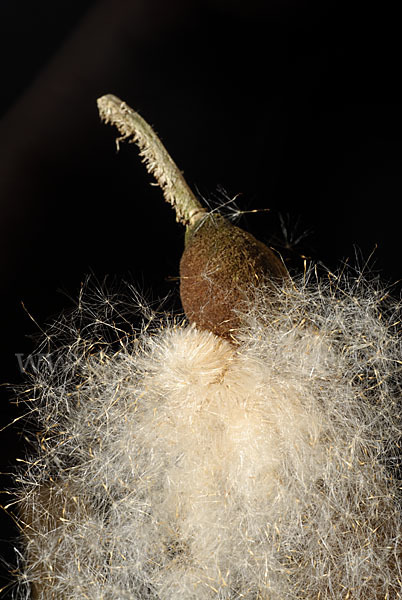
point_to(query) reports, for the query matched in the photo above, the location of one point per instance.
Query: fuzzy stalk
(155, 156)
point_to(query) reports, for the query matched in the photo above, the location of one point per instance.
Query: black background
(293, 105)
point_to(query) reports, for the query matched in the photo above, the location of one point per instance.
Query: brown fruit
(221, 264)
(219, 271)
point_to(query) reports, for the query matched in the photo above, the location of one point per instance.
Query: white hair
(174, 465)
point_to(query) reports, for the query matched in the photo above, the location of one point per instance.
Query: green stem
(157, 160)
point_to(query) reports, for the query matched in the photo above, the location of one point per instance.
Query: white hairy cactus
(182, 466)
(174, 464)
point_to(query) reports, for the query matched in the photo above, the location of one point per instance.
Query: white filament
(179, 466)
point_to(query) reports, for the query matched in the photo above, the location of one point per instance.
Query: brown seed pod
(221, 264)
(219, 270)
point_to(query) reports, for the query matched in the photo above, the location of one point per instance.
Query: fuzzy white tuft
(181, 467)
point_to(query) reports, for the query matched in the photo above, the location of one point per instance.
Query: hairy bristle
(174, 465)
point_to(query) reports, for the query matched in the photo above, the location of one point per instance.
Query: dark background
(294, 105)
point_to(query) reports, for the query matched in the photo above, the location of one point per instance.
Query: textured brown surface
(220, 267)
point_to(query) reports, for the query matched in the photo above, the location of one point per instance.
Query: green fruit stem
(155, 156)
